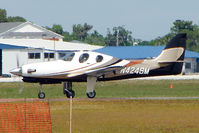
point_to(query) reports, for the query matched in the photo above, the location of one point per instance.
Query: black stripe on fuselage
(168, 70)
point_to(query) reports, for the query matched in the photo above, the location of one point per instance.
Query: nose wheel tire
(69, 93)
(41, 95)
(91, 94)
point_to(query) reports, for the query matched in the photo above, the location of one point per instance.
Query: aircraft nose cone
(16, 71)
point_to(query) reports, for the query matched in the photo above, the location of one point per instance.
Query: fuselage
(73, 66)
(77, 66)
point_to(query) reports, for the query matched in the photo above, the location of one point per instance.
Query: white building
(25, 42)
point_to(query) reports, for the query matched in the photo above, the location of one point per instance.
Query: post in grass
(71, 109)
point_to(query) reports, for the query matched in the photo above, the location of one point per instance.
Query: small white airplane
(88, 66)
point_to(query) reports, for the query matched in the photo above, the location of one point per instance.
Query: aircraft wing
(97, 72)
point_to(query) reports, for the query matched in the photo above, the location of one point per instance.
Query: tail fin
(177, 41)
(174, 53)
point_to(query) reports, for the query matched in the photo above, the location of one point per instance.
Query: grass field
(120, 116)
(127, 116)
(127, 88)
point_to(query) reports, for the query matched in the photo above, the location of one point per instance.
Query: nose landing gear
(41, 94)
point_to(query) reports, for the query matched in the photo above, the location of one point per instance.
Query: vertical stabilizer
(174, 53)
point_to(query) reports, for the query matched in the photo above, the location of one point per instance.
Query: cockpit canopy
(68, 56)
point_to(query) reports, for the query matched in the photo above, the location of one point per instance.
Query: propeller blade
(17, 60)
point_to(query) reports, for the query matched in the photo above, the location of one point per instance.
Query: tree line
(4, 18)
(179, 26)
(117, 36)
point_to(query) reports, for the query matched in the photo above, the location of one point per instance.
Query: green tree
(67, 36)
(161, 40)
(192, 30)
(80, 32)
(3, 16)
(181, 26)
(110, 39)
(16, 19)
(57, 29)
(95, 38)
(120, 37)
(144, 43)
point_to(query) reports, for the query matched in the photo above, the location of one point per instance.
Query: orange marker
(171, 86)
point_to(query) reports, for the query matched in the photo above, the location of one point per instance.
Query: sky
(146, 19)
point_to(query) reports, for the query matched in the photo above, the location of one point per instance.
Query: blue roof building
(7, 46)
(139, 52)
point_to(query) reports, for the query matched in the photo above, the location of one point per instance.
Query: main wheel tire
(91, 94)
(70, 93)
(41, 95)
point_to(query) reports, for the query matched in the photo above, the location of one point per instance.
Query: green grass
(120, 116)
(127, 116)
(125, 88)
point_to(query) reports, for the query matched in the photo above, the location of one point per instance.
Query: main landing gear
(90, 92)
(67, 89)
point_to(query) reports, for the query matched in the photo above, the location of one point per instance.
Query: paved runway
(98, 99)
(170, 77)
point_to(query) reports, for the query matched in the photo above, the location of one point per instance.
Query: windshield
(66, 56)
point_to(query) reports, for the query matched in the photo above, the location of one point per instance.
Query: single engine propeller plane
(88, 66)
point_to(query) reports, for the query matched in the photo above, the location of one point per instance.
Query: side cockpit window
(84, 57)
(66, 56)
(99, 58)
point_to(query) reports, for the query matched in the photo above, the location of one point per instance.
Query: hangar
(191, 64)
(25, 42)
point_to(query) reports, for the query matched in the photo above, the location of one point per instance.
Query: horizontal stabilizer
(165, 62)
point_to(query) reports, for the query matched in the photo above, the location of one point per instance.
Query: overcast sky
(147, 19)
